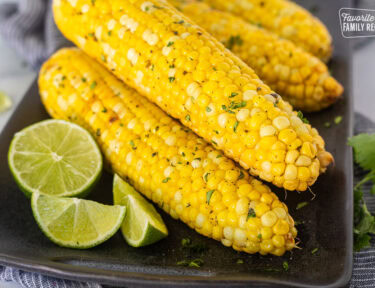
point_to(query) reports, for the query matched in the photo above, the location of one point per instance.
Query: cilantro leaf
(364, 155)
(364, 150)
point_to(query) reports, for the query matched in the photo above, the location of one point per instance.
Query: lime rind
(75, 202)
(150, 234)
(81, 191)
(142, 225)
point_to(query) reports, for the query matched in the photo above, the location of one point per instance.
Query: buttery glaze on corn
(190, 75)
(284, 18)
(302, 79)
(164, 160)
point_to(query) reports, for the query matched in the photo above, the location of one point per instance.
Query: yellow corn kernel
(281, 227)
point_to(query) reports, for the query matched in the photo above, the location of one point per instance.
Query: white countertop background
(16, 77)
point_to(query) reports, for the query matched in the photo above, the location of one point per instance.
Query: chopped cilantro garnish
(239, 261)
(104, 110)
(234, 40)
(187, 117)
(166, 179)
(235, 126)
(208, 196)
(236, 105)
(196, 263)
(205, 176)
(233, 94)
(327, 124)
(93, 85)
(171, 79)
(186, 242)
(208, 109)
(83, 79)
(98, 133)
(338, 120)
(300, 115)
(314, 251)
(242, 175)
(170, 43)
(285, 265)
(301, 205)
(251, 214)
(194, 248)
(131, 143)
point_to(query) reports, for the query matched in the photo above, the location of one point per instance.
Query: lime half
(5, 102)
(55, 157)
(76, 223)
(143, 225)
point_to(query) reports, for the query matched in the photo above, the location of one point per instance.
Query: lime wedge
(76, 223)
(55, 157)
(5, 102)
(143, 225)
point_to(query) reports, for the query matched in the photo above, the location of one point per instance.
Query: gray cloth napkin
(28, 27)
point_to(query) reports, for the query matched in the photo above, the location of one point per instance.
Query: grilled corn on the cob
(285, 18)
(301, 78)
(164, 160)
(188, 73)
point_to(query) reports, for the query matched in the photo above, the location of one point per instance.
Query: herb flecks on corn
(189, 74)
(301, 78)
(284, 18)
(164, 160)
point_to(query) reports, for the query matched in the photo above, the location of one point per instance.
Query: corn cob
(165, 161)
(302, 79)
(190, 75)
(284, 18)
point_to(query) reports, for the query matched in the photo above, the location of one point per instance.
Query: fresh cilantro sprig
(364, 155)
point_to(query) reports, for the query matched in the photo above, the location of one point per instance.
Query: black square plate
(327, 220)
